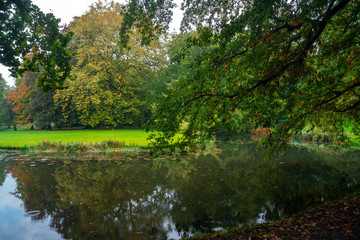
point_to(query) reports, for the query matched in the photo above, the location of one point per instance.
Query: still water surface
(130, 197)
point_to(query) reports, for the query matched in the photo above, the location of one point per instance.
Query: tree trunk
(12, 117)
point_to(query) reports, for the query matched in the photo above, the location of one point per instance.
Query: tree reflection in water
(230, 185)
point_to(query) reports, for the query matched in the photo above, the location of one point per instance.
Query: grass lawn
(22, 137)
(353, 138)
(355, 141)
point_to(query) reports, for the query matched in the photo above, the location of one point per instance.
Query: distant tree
(2, 85)
(32, 106)
(111, 82)
(291, 62)
(2, 99)
(25, 29)
(18, 101)
(41, 108)
(5, 119)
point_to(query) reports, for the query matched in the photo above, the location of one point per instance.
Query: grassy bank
(31, 138)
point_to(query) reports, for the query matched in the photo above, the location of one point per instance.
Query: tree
(43, 110)
(40, 107)
(266, 62)
(5, 112)
(111, 82)
(25, 29)
(18, 102)
(2, 85)
(31, 106)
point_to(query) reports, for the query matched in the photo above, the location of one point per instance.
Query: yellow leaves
(118, 79)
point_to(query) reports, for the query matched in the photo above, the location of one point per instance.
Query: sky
(66, 10)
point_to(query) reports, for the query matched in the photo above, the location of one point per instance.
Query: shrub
(83, 147)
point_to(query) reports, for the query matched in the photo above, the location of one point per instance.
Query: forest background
(109, 86)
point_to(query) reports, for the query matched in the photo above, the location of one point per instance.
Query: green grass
(25, 137)
(355, 140)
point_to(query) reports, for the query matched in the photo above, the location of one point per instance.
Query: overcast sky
(66, 10)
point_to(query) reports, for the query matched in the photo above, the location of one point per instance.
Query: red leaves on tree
(18, 99)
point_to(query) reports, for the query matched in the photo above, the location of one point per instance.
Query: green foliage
(80, 147)
(112, 83)
(29, 35)
(43, 110)
(72, 147)
(2, 86)
(30, 105)
(321, 136)
(5, 118)
(156, 22)
(281, 65)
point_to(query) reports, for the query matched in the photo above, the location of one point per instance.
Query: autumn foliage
(19, 100)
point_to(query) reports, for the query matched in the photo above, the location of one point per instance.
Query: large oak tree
(276, 64)
(112, 83)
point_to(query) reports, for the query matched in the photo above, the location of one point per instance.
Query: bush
(82, 147)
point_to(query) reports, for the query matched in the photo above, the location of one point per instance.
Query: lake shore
(339, 220)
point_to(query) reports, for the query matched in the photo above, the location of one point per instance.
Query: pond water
(122, 196)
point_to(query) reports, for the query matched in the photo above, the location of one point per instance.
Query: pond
(123, 196)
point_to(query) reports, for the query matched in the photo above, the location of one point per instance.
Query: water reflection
(2, 172)
(14, 224)
(230, 185)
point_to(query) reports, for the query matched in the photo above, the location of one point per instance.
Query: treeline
(110, 85)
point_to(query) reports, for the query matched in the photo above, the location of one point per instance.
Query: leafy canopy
(276, 64)
(4, 116)
(33, 40)
(112, 83)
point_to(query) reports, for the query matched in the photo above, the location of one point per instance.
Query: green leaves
(112, 84)
(35, 37)
(274, 64)
(150, 18)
